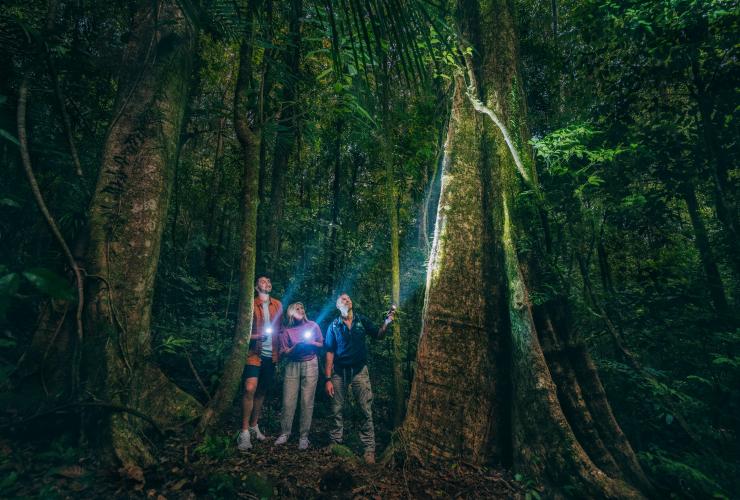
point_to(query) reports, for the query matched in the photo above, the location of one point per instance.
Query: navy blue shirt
(348, 344)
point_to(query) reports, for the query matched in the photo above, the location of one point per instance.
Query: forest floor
(55, 468)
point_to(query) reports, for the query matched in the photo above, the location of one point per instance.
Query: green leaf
(324, 73)
(50, 283)
(8, 481)
(9, 202)
(9, 284)
(7, 135)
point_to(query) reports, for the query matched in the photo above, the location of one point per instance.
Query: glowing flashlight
(307, 334)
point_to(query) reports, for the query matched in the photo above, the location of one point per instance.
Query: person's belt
(348, 372)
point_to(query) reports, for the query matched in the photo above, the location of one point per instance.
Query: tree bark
(523, 400)
(248, 135)
(127, 217)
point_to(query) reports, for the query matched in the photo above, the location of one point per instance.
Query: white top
(266, 330)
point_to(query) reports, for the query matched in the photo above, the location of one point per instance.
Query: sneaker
(244, 443)
(303, 444)
(369, 457)
(282, 439)
(257, 433)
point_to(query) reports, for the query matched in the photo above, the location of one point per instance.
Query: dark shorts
(265, 372)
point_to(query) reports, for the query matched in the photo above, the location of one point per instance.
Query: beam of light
(414, 261)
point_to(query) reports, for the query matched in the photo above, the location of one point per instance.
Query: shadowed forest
(546, 191)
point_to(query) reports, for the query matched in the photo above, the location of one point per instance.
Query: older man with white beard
(346, 365)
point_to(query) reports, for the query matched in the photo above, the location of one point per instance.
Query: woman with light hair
(299, 343)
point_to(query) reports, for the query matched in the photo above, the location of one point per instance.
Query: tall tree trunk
(392, 206)
(287, 133)
(524, 400)
(249, 139)
(714, 281)
(127, 217)
(264, 110)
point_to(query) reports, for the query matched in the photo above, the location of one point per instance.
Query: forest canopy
(547, 191)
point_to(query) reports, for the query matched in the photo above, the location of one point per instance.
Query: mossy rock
(259, 485)
(339, 450)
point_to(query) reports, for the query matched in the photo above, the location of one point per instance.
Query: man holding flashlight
(346, 365)
(261, 360)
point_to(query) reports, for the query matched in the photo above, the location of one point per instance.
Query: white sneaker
(244, 443)
(303, 444)
(282, 439)
(257, 434)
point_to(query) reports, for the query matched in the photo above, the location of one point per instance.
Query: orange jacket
(255, 344)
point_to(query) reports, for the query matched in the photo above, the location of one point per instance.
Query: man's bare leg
(259, 399)
(249, 402)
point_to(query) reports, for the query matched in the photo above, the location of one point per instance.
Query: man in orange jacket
(261, 360)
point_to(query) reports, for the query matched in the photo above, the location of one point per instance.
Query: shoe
(282, 439)
(303, 444)
(244, 443)
(257, 433)
(369, 457)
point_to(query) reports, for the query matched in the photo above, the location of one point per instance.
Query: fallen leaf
(77, 486)
(178, 485)
(132, 472)
(71, 472)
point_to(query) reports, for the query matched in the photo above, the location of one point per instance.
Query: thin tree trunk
(249, 139)
(264, 109)
(332, 252)
(127, 217)
(701, 240)
(286, 133)
(724, 193)
(392, 207)
(58, 93)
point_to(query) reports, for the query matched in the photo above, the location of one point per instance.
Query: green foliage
(7, 482)
(222, 485)
(50, 283)
(216, 447)
(573, 152)
(259, 485)
(694, 483)
(173, 345)
(529, 487)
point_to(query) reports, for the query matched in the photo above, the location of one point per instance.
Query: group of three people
(300, 341)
